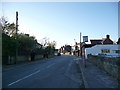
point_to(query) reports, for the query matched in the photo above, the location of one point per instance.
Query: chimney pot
(108, 36)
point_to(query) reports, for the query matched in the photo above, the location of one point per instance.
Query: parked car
(102, 54)
(58, 54)
(55, 54)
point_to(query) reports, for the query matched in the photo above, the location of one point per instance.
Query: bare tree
(7, 28)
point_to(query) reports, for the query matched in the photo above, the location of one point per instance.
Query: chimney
(108, 36)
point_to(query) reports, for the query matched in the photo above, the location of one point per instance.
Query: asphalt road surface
(58, 72)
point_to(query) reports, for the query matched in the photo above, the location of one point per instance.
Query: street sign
(85, 38)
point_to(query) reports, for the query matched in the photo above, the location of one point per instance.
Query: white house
(110, 50)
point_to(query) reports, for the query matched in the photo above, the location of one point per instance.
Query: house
(109, 50)
(106, 40)
(86, 48)
(75, 49)
(96, 41)
(66, 49)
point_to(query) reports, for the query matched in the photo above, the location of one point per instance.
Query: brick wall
(110, 65)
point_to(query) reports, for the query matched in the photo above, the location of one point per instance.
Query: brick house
(107, 40)
(104, 41)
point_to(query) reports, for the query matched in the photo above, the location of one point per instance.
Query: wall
(11, 60)
(97, 49)
(110, 65)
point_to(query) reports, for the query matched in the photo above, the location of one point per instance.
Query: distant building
(106, 40)
(66, 49)
(84, 47)
(97, 42)
(75, 49)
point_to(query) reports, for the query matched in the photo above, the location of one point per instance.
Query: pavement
(93, 77)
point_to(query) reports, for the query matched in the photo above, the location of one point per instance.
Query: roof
(107, 41)
(96, 41)
(88, 45)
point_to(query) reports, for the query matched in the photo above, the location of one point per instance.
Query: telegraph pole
(16, 37)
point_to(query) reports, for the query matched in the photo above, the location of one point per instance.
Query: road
(58, 72)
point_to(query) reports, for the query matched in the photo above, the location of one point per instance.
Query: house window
(117, 51)
(105, 51)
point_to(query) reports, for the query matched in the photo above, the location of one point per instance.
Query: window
(117, 51)
(105, 51)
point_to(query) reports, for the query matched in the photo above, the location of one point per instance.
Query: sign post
(85, 39)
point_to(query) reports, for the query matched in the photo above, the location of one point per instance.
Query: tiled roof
(96, 41)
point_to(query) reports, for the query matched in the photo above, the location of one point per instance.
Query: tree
(7, 28)
(51, 47)
(45, 41)
(11, 29)
(48, 47)
(8, 45)
(26, 43)
(3, 23)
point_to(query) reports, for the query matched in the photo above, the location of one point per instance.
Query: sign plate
(85, 38)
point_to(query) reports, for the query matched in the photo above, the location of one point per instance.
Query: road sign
(85, 38)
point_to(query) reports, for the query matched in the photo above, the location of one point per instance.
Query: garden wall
(110, 65)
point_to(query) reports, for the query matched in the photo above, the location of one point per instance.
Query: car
(58, 54)
(55, 54)
(102, 54)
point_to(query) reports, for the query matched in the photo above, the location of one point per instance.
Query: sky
(63, 21)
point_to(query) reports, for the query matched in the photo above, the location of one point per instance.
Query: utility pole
(80, 45)
(16, 37)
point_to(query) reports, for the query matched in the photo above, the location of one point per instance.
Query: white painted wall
(97, 49)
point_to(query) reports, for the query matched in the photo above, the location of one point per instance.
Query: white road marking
(50, 65)
(23, 78)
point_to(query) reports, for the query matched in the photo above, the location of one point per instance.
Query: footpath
(93, 77)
